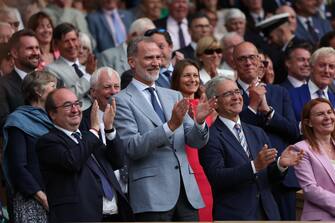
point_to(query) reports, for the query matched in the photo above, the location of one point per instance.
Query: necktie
(77, 70)
(181, 36)
(119, 33)
(312, 31)
(167, 73)
(155, 104)
(241, 138)
(96, 168)
(320, 93)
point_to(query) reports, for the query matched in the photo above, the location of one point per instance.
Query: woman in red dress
(186, 79)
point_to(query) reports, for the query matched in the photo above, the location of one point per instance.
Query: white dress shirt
(313, 90)
(173, 29)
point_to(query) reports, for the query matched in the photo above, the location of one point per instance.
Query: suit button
(175, 150)
(176, 167)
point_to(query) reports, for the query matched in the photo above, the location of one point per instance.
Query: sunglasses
(151, 32)
(212, 51)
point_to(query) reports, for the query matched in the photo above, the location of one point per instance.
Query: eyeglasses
(253, 58)
(69, 105)
(230, 94)
(200, 26)
(212, 51)
(151, 32)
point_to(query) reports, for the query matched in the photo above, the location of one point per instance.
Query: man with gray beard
(153, 126)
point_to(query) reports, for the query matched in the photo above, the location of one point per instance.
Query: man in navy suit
(239, 161)
(268, 107)
(109, 25)
(322, 75)
(297, 63)
(77, 167)
(311, 26)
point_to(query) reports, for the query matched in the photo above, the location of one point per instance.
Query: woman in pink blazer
(316, 171)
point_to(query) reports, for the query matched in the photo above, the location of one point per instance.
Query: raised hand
(256, 95)
(178, 113)
(291, 156)
(91, 64)
(109, 114)
(94, 116)
(205, 107)
(265, 156)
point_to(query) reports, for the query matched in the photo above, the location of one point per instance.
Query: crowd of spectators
(167, 110)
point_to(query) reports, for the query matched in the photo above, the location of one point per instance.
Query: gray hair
(211, 85)
(140, 26)
(132, 48)
(96, 75)
(233, 13)
(229, 35)
(85, 41)
(323, 51)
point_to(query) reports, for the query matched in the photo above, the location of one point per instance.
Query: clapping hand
(109, 114)
(291, 156)
(205, 107)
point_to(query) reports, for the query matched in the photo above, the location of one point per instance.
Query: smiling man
(153, 127)
(238, 160)
(77, 167)
(322, 75)
(67, 68)
(25, 50)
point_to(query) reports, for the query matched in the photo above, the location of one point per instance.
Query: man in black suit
(25, 50)
(77, 167)
(198, 27)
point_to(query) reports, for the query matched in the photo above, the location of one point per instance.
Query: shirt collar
(229, 123)
(21, 73)
(244, 85)
(67, 132)
(193, 45)
(295, 82)
(70, 63)
(141, 86)
(313, 88)
(171, 20)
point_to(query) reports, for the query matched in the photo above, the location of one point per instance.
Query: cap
(271, 23)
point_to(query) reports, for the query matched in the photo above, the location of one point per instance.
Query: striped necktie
(241, 138)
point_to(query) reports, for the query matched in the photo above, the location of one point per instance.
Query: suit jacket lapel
(142, 104)
(326, 163)
(105, 23)
(250, 141)
(229, 137)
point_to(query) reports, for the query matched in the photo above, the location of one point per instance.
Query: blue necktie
(96, 168)
(181, 36)
(155, 104)
(320, 93)
(77, 70)
(312, 31)
(167, 74)
(119, 33)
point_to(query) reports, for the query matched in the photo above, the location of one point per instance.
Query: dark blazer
(101, 31)
(188, 52)
(22, 158)
(300, 96)
(237, 191)
(287, 84)
(322, 26)
(10, 95)
(74, 192)
(162, 81)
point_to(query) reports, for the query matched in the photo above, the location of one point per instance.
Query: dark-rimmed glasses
(69, 105)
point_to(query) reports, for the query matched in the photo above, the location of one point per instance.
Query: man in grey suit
(67, 68)
(153, 127)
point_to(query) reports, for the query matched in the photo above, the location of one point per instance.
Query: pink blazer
(316, 176)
